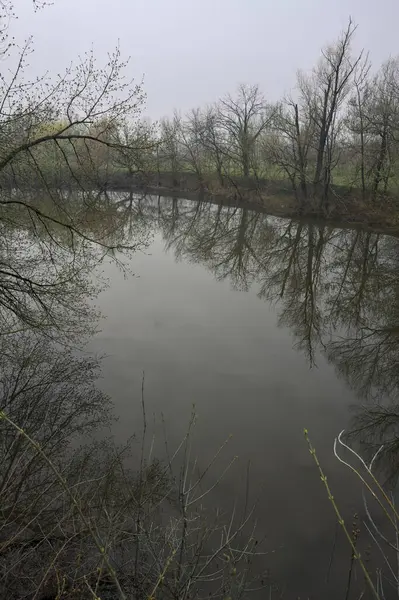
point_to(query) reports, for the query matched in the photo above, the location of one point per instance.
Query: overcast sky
(193, 51)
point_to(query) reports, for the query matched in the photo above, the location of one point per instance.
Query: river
(265, 326)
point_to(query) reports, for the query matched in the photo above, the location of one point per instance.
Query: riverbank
(346, 209)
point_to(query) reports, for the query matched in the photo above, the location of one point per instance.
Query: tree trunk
(380, 163)
(319, 160)
(220, 175)
(362, 169)
(245, 163)
(302, 173)
(322, 141)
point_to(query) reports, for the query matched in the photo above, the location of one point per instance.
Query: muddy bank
(272, 197)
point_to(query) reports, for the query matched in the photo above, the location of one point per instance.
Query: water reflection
(336, 289)
(51, 243)
(49, 401)
(75, 522)
(47, 479)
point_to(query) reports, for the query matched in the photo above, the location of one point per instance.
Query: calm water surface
(267, 326)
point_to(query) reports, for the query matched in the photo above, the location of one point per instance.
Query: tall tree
(212, 140)
(382, 115)
(357, 122)
(243, 118)
(290, 147)
(169, 155)
(323, 94)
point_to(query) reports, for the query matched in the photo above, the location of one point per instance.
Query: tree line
(339, 126)
(338, 129)
(75, 523)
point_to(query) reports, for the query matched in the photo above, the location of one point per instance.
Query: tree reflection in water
(337, 290)
(50, 245)
(75, 522)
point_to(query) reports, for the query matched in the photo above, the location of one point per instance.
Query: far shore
(274, 198)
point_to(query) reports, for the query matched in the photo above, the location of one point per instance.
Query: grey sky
(192, 52)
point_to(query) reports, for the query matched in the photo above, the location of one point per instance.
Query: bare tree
(169, 155)
(190, 134)
(323, 94)
(373, 122)
(243, 118)
(289, 148)
(382, 122)
(137, 143)
(212, 140)
(357, 117)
